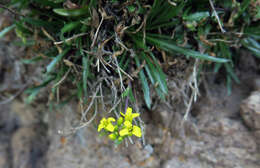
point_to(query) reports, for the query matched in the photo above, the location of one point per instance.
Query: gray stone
(250, 110)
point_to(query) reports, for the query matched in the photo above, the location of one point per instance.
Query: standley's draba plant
(103, 49)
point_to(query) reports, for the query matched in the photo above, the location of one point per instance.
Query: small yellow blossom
(106, 124)
(122, 128)
(129, 116)
(137, 131)
(130, 130)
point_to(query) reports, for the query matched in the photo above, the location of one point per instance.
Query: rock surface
(250, 111)
(214, 136)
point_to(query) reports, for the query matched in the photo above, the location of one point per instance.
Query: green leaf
(161, 77)
(79, 90)
(85, 73)
(196, 16)
(153, 81)
(244, 6)
(28, 43)
(153, 69)
(253, 31)
(56, 60)
(33, 92)
(231, 72)
(217, 67)
(22, 28)
(131, 96)
(257, 16)
(58, 1)
(6, 30)
(170, 46)
(164, 25)
(32, 61)
(41, 23)
(70, 26)
(72, 12)
(154, 74)
(145, 86)
(229, 85)
(47, 3)
(125, 93)
(162, 12)
(252, 45)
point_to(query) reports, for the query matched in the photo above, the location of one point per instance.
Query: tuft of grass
(112, 44)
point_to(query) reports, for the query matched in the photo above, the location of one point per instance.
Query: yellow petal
(100, 127)
(124, 132)
(128, 124)
(137, 131)
(122, 114)
(129, 118)
(103, 120)
(110, 127)
(111, 119)
(134, 115)
(129, 111)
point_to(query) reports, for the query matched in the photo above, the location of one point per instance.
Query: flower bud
(120, 121)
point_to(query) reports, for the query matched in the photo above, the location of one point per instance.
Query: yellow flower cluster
(123, 128)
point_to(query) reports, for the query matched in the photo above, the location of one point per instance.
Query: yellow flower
(106, 124)
(130, 130)
(129, 116)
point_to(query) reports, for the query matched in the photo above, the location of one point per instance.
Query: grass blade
(6, 30)
(145, 86)
(171, 47)
(56, 60)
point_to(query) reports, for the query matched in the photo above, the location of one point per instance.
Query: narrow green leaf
(33, 92)
(85, 73)
(229, 85)
(6, 30)
(31, 61)
(253, 31)
(41, 23)
(126, 92)
(244, 6)
(231, 72)
(145, 86)
(163, 25)
(70, 26)
(72, 12)
(154, 74)
(47, 3)
(161, 77)
(217, 67)
(171, 47)
(56, 60)
(252, 45)
(131, 96)
(196, 16)
(163, 12)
